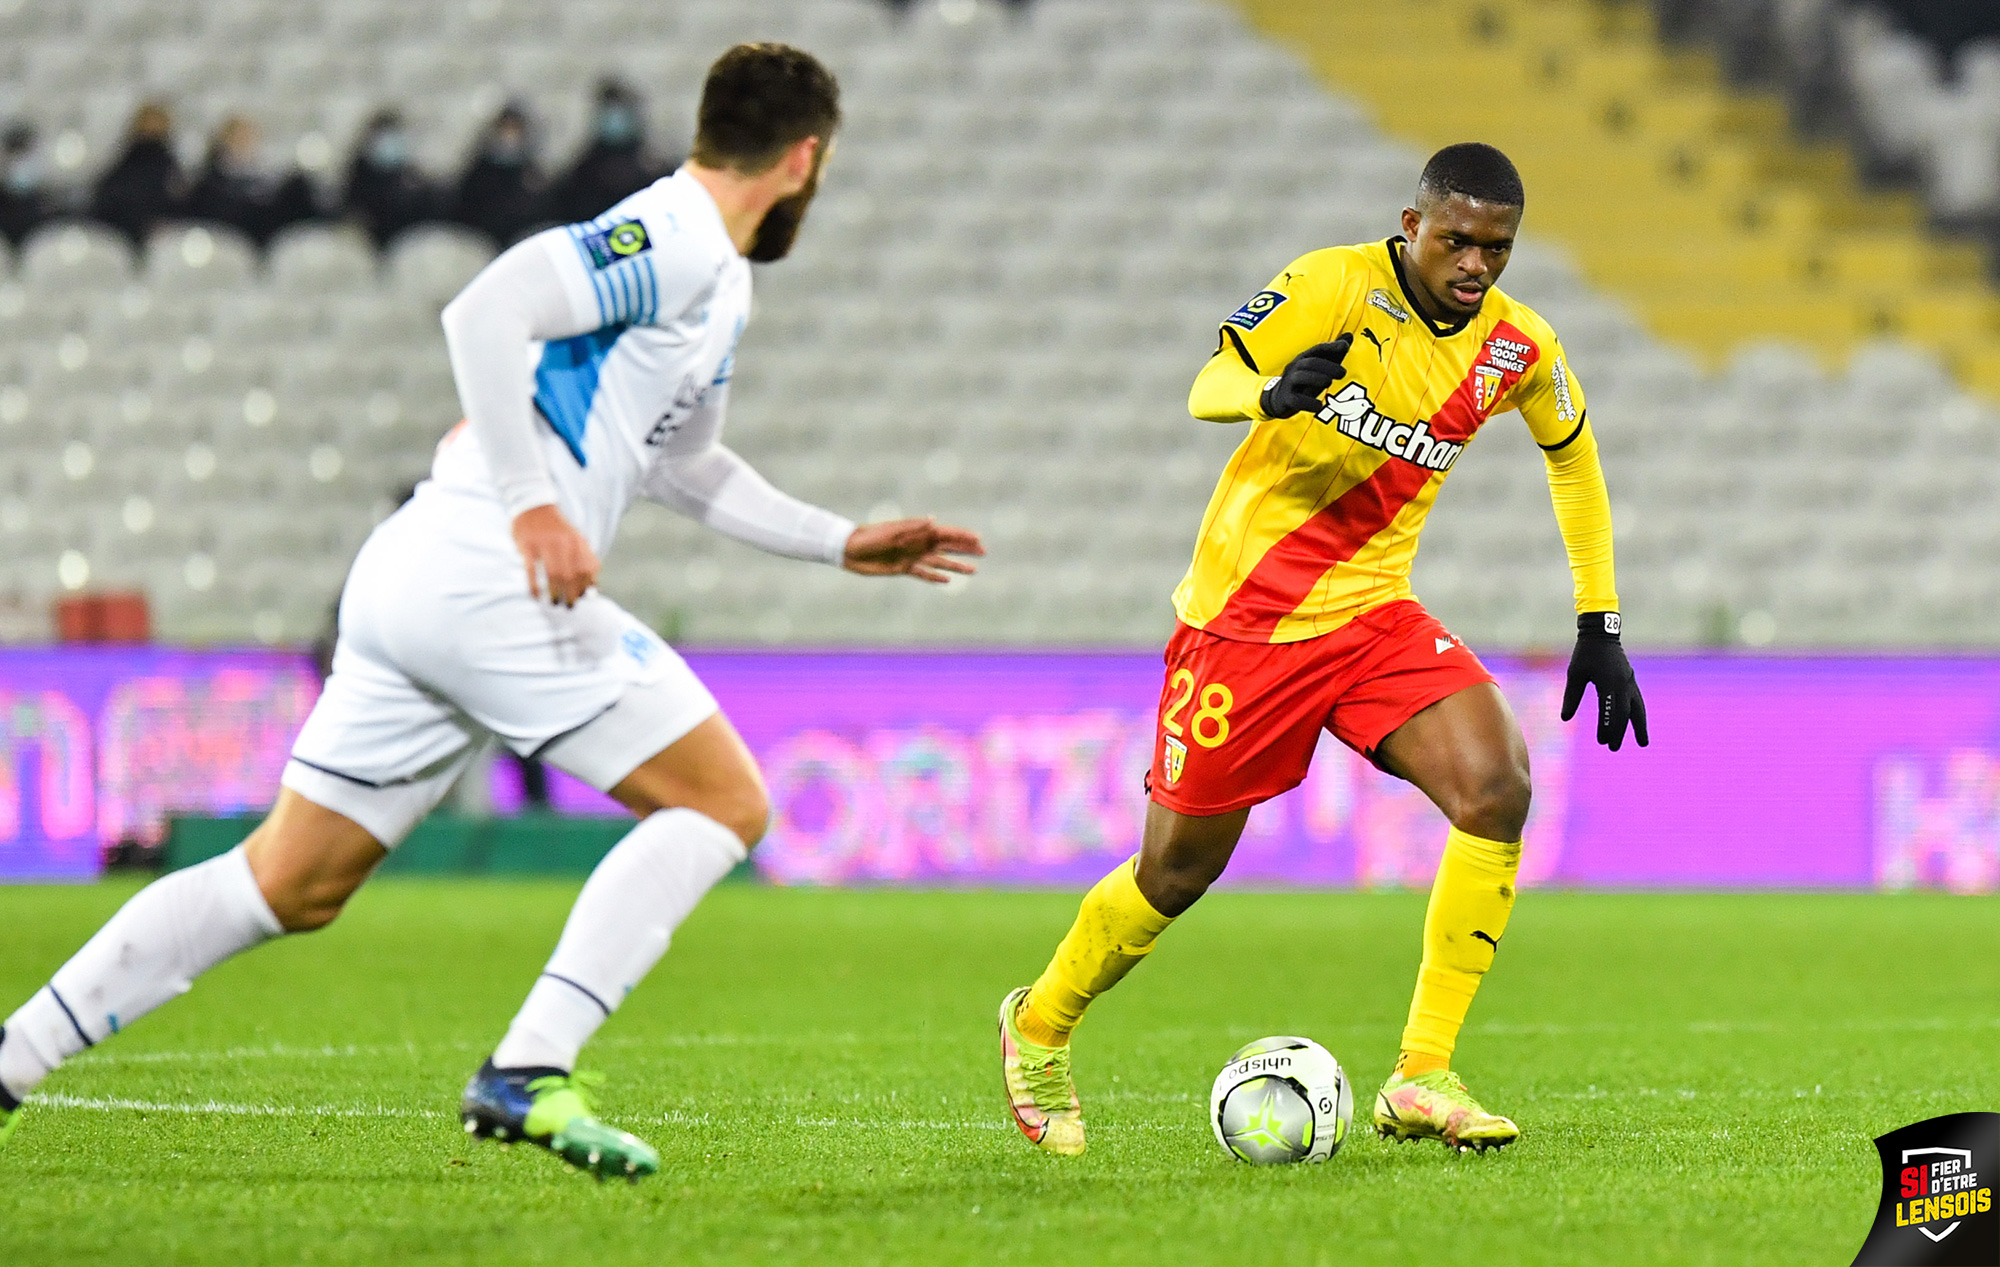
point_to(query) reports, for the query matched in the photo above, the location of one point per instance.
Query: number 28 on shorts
(1208, 725)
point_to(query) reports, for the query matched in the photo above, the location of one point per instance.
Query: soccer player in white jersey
(593, 363)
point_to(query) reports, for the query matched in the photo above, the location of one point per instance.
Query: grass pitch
(1698, 1079)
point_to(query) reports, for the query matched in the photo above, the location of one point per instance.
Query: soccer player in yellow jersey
(1363, 372)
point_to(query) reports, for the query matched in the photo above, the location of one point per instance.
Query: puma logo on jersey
(1358, 420)
(1487, 938)
(1369, 335)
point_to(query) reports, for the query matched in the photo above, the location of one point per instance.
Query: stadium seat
(316, 259)
(74, 255)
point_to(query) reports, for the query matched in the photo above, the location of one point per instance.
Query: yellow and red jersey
(1315, 519)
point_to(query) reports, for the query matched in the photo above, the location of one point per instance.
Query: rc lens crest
(1175, 760)
(1488, 386)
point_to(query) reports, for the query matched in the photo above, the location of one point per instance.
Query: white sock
(171, 932)
(617, 931)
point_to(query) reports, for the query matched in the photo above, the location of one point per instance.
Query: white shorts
(442, 647)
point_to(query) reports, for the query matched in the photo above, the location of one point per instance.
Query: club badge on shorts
(1937, 1194)
(1176, 759)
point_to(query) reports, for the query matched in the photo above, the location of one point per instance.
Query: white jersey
(630, 396)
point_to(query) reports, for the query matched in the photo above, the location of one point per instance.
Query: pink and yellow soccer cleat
(1040, 1092)
(1436, 1105)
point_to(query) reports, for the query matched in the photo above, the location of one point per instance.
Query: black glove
(1306, 379)
(1600, 661)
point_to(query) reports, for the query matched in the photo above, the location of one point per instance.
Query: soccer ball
(1281, 1100)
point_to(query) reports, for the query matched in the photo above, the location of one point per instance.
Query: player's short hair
(1474, 169)
(759, 101)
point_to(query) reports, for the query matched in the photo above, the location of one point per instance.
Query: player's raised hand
(1306, 379)
(561, 565)
(1599, 660)
(922, 548)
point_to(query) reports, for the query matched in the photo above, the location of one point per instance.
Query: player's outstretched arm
(923, 548)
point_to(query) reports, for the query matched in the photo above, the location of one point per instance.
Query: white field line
(103, 1104)
(352, 1051)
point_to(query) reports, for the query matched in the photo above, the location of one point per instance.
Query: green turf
(1698, 1078)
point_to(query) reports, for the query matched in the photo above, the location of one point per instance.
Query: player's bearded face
(1458, 247)
(780, 226)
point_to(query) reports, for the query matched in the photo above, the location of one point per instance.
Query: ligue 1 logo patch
(1937, 1195)
(1261, 305)
(1175, 760)
(619, 242)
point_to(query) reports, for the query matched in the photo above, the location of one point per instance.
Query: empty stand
(1029, 232)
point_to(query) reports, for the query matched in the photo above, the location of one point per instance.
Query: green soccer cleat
(11, 1110)
(1436, 1105)
(1040, 1092)
(548, 1107)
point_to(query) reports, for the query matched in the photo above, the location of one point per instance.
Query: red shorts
(1239, 720)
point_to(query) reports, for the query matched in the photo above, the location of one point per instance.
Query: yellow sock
(1470, 902)
(1114, 930)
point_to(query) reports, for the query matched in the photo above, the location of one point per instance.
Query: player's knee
(748, 814)
(1495, 805)
(1173, 882)
(307, 907)
(742, 805)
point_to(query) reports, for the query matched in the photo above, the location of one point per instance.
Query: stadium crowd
(503, 190)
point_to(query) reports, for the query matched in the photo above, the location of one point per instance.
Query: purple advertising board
(1021, 769)
(99, 744)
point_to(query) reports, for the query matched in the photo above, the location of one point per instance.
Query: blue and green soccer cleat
(11, 1110)
(548, 1107)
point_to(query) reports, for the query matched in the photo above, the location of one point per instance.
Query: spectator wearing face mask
(234, 187)
(24, 196)
(385, 192)
(616, 162)
(502, 192)
(146, 185)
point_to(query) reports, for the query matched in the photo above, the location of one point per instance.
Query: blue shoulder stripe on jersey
(628, 292)
(566, 383)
